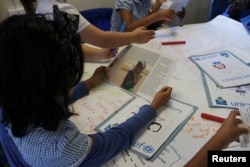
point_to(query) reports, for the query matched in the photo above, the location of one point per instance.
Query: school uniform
(67, 146)
(46, 6)
(138, 8)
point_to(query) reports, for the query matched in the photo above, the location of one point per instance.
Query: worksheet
(245, 116)
(224, 68)
(160, 131)
(233, 97)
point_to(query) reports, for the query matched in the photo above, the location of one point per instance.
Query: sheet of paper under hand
(245, 116)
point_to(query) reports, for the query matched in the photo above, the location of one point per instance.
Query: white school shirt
(46, 6)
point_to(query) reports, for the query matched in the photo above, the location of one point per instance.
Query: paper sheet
(224, 68)
(245, 116)
(234, 97)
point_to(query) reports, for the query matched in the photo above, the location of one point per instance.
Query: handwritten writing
(197, 129)
(97, 106)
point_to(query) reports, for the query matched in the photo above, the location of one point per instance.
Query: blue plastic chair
(217, 7)
(3, 159)
(12, 153)
(99, 17)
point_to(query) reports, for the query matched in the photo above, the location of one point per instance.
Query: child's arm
(96, 78)
(162, 15)
(79, 91)
(156, 6)
(228, 132)
(82, 88)
(110, 143)
(112, 39)
(95, 54)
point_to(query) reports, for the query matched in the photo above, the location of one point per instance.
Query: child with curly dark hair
(239, 10)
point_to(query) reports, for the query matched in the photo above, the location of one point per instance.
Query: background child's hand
(161, 97)
(167, 14)
(142, 35)
(96, 78)
(181, 14)
(229, 130)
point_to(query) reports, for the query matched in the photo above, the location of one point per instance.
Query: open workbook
(142, 72)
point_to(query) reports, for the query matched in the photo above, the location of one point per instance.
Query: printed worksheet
(159, 133)
(245, 116)
(234, 97)
(224, 68)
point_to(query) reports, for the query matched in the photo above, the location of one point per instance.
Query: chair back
(12, 153)
(217, 7)
(3, 159)
(99, 17)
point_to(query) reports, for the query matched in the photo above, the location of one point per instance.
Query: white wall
(197, 11)
(4, 6)
(86, 4)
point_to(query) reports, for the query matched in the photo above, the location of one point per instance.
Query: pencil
(173, 42)
(212, 117)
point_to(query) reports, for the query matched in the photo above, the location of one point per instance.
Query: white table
(219, 34)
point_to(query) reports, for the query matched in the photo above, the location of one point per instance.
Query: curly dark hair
(236, 6)
(35, 73)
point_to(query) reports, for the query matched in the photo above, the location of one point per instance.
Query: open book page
(234, 97)
(224, 68)
(159, 132)
(141, 71)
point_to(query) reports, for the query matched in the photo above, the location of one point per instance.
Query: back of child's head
(238, 6)
(38, 66)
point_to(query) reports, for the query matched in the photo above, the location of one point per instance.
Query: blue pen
(122, 29)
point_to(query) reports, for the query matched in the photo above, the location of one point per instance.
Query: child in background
(89, 33)
(133, 76)
(41, 64)
(179, 6)
(139, 13)
(239, 10)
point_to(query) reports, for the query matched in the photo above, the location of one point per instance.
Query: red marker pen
(212, 117)
(173, 42)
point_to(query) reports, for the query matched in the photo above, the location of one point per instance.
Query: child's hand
(167, 14)
(96, 78)
(229, 130)
(142, 35)
(181, 14)
(161, 97)
(108, 53)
